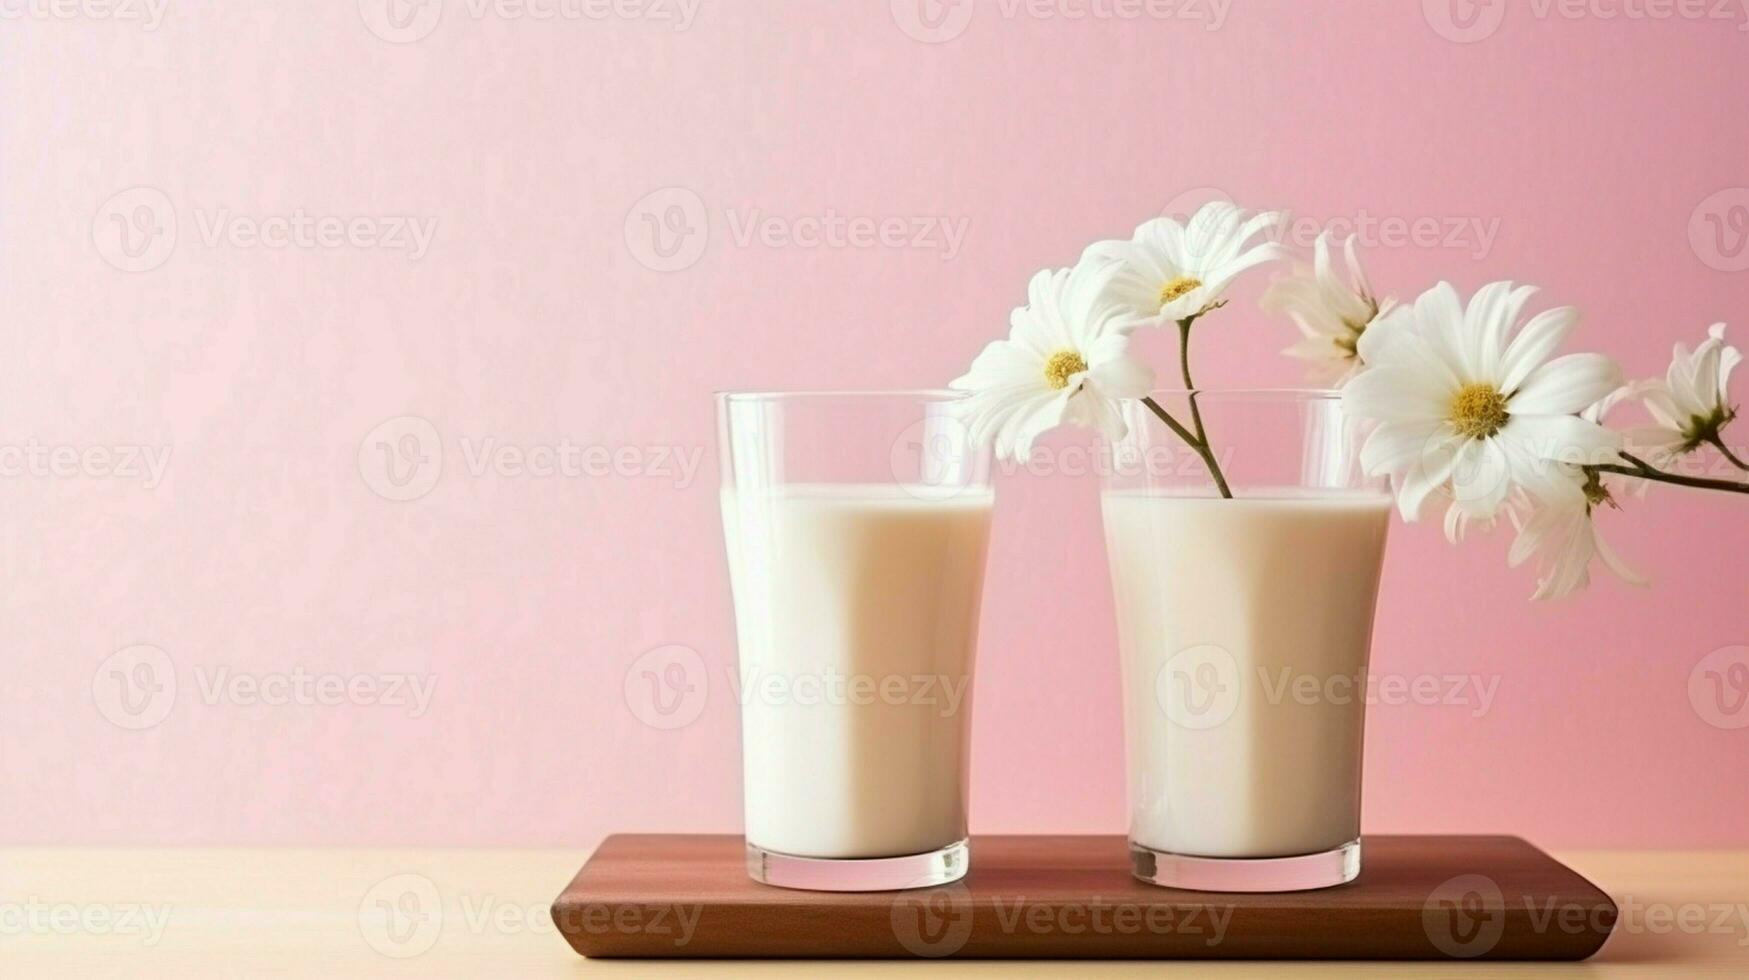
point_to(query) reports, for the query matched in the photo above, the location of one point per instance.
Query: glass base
(858, 874)
(1284, 874)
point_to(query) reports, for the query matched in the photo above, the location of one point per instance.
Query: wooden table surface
(190, 913)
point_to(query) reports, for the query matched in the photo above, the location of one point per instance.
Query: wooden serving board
(1498, 898)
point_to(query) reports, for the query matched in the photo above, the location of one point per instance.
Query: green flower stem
(1191, 440)
(1199, 439)
(1719, 444)
(1639, 468)
(1189, 385)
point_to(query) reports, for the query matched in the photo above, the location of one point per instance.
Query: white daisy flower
(1066, 359)
(1330, 308)
(1558, 524)
(1171, 272)
(1562, 533)
(1691, 404)
(1468, 402)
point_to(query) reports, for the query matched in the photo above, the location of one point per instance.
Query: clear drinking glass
(856, 525)
(1245, 626)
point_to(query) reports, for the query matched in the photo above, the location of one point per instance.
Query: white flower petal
(1655, 395)
(1681, 379)
(1361, 284)
(1456, 522)
(1030, 420)
(1090, 411)
(1222, 275)
(1561, 438)
(1492, 313)
(1391, 393)
(1387, 331)
(1566, 385)
(1705, 374)
(1729, 358)
(1439, 323)
(1653, 443)
(1394, 447)
(1613, 562)
(1122, 377)
(1429, 472)
(1188, 305)
(1211, 248)
(1533, 345)
(1530, 538)
(1481, 478)
(1560, 530)
(1001, 362)
(1693, 398)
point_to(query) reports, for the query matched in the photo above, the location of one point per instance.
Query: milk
(1244, 627)
(857, 617)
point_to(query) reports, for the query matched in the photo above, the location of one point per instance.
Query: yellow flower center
(1061, 366)
(1479, 410)
(1177, 287)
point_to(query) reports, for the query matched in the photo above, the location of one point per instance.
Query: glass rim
(913, 394)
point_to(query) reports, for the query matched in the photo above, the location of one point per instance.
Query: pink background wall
(1583, 147)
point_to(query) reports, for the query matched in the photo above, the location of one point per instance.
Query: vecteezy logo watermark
(299, 229)
(401, 916)
(1162, 459)
(937, 922)
(940, 21)
(1472, 234)
(136, 230)
(933, 458)
(304, 689)
(147, 13)
(1199, 687)
(923, 233)
(677, 923)
(1464, 917)
(1285, 685)
(401, 21)
(401, 459)
(565, 459)
(1718, 688)
(37, 917)
(1096, 917)
(933, 21)
(135, 687)
(667, 687)
(1635, 915)
(406, 914)
(406, 21)
(1202, 686)
(35, 460)
(756, 684)
(1469, 21)
(668, 230)
(1718, 230)
(932, 922)
(1464, 21)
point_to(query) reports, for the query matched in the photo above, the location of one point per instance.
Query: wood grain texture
(1495, 898)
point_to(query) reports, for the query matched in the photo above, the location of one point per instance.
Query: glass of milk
(1244, 627)
(856, 526)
